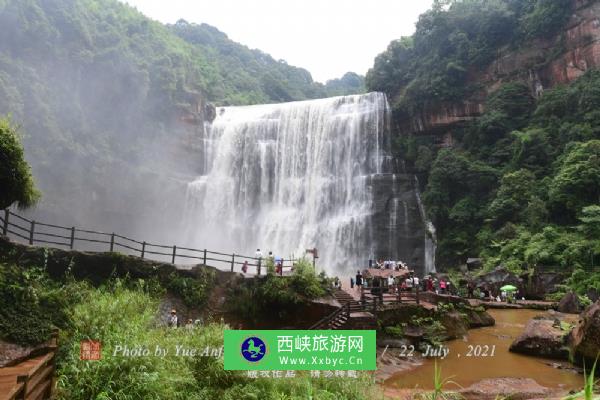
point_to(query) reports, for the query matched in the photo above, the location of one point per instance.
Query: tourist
(416, 282)
(442, 286)
(430, 284)
(351, 283)
(189, 325)
(245, 267)
(173, 321)
(359, 280)
(258, 254)
(409, 284)
(390, 281)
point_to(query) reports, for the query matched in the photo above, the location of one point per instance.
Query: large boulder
(497, 278)
(543, 337)
(541, 283)
(570, 304)
(455, 325)
(479, 318)
(513, 388)
(585, 337)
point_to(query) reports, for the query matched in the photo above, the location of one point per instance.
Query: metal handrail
(135, 247)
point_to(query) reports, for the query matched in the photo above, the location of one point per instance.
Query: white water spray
(292, 176)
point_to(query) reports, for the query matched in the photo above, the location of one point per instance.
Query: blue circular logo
(253, 349)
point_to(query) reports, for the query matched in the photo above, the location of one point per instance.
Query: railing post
(374, 304)
(399, 289)
(72, 243)
(5, 227)
(417, 294)
(348, 309)
(143, 249)
(232, 261)
(174, 253)
(112, 242)
(258, 267)
(31, 232)
(204, 263)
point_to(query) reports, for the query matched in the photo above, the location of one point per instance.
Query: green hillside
(253, 77)
(98, 90)
(520, 185)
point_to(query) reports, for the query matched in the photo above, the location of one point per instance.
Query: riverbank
(483, 355)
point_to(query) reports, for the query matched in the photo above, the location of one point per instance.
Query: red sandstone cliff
(542, 64)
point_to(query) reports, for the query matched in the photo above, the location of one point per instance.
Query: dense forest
(520, 186)
(254, 77)
(98, 90)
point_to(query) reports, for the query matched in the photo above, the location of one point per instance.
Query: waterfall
(430, 235)
(287, 177)
(393, 226)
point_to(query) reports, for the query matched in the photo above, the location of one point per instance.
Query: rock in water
(513, 388)
(542, 338)
(570, 304)
(585, 338)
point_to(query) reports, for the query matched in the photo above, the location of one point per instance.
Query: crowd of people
(388, 264)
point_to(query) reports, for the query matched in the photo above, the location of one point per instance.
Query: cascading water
(430, 234)
(292, 176)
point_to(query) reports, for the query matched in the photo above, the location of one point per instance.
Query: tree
(515, 193)
(577, 182)
(16, 180)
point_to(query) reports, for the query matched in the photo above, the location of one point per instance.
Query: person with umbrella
(510, 291)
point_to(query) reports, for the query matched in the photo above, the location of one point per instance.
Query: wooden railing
(324, 322)
(32, 378)
(35, 232)
(407, 296)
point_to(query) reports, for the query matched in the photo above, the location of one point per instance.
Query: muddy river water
(484, 354)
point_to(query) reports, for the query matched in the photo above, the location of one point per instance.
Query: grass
(120, 314)
(589, 384)
(439, 384)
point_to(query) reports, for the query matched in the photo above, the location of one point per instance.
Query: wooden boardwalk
(30, 380)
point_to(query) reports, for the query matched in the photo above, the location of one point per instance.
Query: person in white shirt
(416, 281)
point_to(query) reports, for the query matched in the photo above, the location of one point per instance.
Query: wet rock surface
(543, 337)
(570, 304)
(514, 388)
(585, 338)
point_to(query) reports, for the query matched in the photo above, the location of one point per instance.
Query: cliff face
(542, 64)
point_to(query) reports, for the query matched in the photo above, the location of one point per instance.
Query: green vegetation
(590, 383)
(100, 90)
(275, 296)
(520, 185)
(253, 77)
(126, 312)
(31, 304)
(15, 175)
(121, 316)
(439, 383)
(453, 40)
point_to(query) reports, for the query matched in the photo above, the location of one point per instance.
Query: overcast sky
(327, 37)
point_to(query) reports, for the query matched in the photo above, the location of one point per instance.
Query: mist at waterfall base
(293, 176)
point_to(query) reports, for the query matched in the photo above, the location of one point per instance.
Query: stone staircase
(351, 316)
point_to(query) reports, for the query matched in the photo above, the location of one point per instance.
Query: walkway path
(31, 379)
